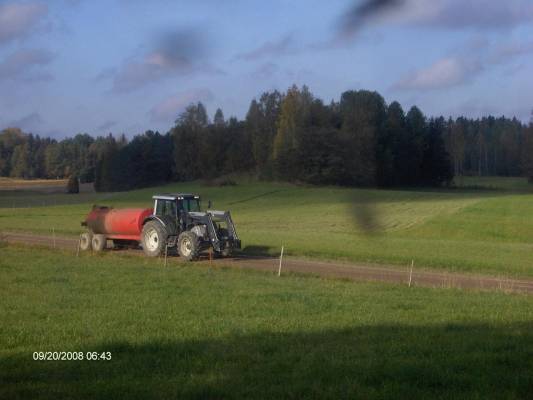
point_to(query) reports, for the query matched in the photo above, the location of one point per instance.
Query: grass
(189, 331)
(483, 225)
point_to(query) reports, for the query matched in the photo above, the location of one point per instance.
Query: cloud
(175, 53)
(266, 71)
(444, 73)
(285, 45)
(509, 51)
(444, 14)
(106, 126)
(24, 64)
(473, 58)
(29, 122)
(478, 14)
(168, 109)
(17, 20)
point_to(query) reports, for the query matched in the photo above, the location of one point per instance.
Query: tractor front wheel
(154, 238)
(188, 246)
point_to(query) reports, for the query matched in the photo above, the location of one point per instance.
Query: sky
(71, 66)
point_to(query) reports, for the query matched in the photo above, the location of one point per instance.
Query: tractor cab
(176, 206)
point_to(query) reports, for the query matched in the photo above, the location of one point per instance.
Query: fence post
(411, 272)
(280, 261)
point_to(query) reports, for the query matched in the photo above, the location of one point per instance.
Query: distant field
(189, 331)
(15, 183)
(482, 225)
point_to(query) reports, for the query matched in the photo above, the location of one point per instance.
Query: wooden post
(54, 236)
(411, 272)
(280, 261)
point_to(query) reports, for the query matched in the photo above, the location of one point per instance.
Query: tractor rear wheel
(85, 241)
(98, 242)
(188, 246)
(153, 238)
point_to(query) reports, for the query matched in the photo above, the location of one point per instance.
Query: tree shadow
(257, 250)
(386, 361)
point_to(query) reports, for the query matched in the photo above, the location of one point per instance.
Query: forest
(359, 140)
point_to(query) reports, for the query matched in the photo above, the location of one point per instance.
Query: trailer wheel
(85, 241)
(188, 246)
(154, 238)
(99, 242)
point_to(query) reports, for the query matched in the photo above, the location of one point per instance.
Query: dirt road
(356, 272)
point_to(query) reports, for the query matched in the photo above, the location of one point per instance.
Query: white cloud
(17, 20)
(446, 72)
(511, 50)
(283, 46)
(22, 63)
(168, 109)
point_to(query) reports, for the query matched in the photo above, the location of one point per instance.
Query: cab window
(166, 207)
(191, 205)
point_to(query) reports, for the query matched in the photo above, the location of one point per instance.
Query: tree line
(359, 140)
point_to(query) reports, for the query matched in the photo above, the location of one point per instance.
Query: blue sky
(70, 66)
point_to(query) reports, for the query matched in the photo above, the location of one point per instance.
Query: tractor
(175, 222)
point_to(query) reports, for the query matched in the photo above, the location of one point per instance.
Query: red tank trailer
(117, 224)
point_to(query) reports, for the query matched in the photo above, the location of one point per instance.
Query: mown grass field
(16, 183)
(190, 331)
(484, 225)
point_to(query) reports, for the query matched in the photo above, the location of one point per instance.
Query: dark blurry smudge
(364, 213)
(363, 11)
(178, 52)
(179, 47)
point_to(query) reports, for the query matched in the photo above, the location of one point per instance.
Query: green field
(483, 225)
(190, 331)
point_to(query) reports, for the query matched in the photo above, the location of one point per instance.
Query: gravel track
(356, 272)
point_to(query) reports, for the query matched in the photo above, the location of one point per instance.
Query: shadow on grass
(264, 251)
(390, 361)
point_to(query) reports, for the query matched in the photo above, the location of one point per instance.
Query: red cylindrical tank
(120, 223)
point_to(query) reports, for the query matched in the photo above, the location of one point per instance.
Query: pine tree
(218, 119)
(363, 116)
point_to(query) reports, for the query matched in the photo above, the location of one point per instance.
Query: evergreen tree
(218, 119)
(363, 116)
(189, 135)
(389, 153)
(436, 166)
